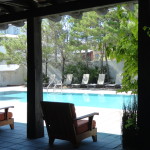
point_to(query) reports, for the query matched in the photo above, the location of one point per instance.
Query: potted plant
(129, 125)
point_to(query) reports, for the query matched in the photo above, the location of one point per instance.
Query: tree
(122, 25)
(79, 34)
(55, 41)
(15, 49)
(89, 33)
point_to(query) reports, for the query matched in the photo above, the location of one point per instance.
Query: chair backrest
(68, 79)
(118, 80)
(52, 78)
(59, 118)
(85, 79)
(101, 79)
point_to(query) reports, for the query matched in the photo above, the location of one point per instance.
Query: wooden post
(144, 76)
(35, 127)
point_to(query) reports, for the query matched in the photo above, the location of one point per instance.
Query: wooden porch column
(35, 127)
(144, 76)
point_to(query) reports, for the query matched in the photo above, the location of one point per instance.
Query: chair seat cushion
(82, 126)
(2, 115)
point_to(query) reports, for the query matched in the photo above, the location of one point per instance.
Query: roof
(11, 67)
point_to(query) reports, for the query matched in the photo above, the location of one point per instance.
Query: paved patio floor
(16, 140)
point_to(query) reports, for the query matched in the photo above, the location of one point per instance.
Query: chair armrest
(6, 111)
(6, 107)
(90, 116)
(87, 116)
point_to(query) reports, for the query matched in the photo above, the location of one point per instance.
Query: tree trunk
(107, 66)
(86, 57)
(101, 60)
(46, 64)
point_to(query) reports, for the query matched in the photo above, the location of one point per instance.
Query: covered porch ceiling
(12, 10)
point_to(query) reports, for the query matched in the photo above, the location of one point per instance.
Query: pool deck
(108, 123)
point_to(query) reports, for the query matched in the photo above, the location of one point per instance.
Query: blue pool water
(89, 100)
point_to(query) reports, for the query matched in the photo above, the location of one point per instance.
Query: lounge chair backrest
(85, 79)
(101, 79)
(68, 79)
(59, 117)
(118, 79)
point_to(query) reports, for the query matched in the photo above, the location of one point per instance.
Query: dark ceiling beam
(6, 8)
(60, 8)
(20, 4)
(75, 6)
(14, 4)
(6, 0)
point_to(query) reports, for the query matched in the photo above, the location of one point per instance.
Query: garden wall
(114, 69)
(12, 75)
(17, 75)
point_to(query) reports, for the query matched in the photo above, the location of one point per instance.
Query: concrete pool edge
(67, 90)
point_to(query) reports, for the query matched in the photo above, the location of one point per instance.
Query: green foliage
(123, 25)
(15, 49)
(131, 121)
(147, 29)
(2, 56)
(77, 70)
(94, 72)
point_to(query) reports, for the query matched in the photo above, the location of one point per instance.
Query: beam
(143, 76)
(60, 8)
(35, 127)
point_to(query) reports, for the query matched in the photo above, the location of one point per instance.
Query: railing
(56, 83)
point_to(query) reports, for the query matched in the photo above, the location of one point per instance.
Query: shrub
(129, 124)
(79, 69)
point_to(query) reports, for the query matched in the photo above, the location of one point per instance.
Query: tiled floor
(17, 140)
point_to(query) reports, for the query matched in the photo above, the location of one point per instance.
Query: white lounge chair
(85, 79)
(68, 80)
(100, 81)
(84, 82)
(117, 83)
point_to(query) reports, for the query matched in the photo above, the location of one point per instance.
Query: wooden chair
(6, 117)
(62, 123)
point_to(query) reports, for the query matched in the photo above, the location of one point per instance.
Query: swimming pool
(88, 100)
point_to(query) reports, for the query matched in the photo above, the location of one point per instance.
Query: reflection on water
(86, 98)
(91, 100)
